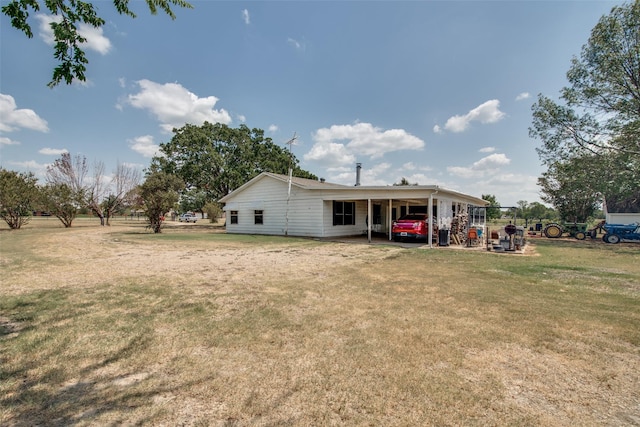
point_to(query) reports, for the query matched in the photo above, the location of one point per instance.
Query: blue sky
(436, 92)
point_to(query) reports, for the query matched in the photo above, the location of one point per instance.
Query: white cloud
(437, 129)
(413, 168)
(273, 128)
(330, 153)
(522, 96)
(487, 149)
(372, 175)
(361, 139)
(245, 16)
(8, 141)
(144, 145)
(96, 41)
(409, 166)
(12, 118)
(53, 151)
(173, 105)
(508, 187)
(39, 169)
(417, 178)
(488, 165)
(488, 112)
(299, 46)
(241, 118)
(134, 165)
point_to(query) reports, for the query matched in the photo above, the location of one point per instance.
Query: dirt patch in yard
(117, 326)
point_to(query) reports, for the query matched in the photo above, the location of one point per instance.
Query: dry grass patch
(194, 327)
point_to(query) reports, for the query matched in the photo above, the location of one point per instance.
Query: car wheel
(580, 235)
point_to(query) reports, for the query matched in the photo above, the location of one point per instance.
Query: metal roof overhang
(410, 194)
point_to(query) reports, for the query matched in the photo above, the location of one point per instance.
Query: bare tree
(125, 180)
(97, 191)
(71, 171)
(65, 192)
(102, 194)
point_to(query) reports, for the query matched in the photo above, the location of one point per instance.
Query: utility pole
(286, 214)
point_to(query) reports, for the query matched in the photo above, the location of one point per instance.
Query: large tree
(216, 159)
(193, 200)
(598, 118)
(68, 39)
(568, 186)
(18, 197)
(159, 193)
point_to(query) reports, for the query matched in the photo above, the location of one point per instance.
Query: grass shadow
(47, 375)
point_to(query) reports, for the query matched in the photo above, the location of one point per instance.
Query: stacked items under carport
(459, 226)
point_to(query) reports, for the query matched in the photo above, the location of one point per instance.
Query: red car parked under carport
(413, 227)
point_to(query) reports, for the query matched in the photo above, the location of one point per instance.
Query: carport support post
(390, 221)
(369, 220)
(430, 224)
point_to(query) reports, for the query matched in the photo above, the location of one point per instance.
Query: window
(344, 213)
(234, 217)
(258, 217)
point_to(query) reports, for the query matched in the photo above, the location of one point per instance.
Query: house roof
(389, 191)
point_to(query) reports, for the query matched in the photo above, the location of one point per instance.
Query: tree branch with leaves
(68, 41)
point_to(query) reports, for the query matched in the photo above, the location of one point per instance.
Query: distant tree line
(523, 211)
(197, 167)
(68, 189)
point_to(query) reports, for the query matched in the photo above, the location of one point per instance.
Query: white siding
(331, 230)
(270, 195)
(310, 206)
(623, 218)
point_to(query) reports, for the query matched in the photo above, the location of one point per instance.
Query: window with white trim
(344, 213)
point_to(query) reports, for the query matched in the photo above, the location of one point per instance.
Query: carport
(384, 204)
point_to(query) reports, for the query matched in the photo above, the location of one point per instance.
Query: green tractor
(572, 229)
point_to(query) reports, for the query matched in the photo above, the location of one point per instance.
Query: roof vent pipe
(358, 167)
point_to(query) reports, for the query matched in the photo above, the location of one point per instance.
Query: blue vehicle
(617, 233)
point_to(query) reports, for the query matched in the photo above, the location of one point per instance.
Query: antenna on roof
(291, 141)
(286, 214)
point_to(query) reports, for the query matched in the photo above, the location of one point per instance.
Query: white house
(271, 204)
